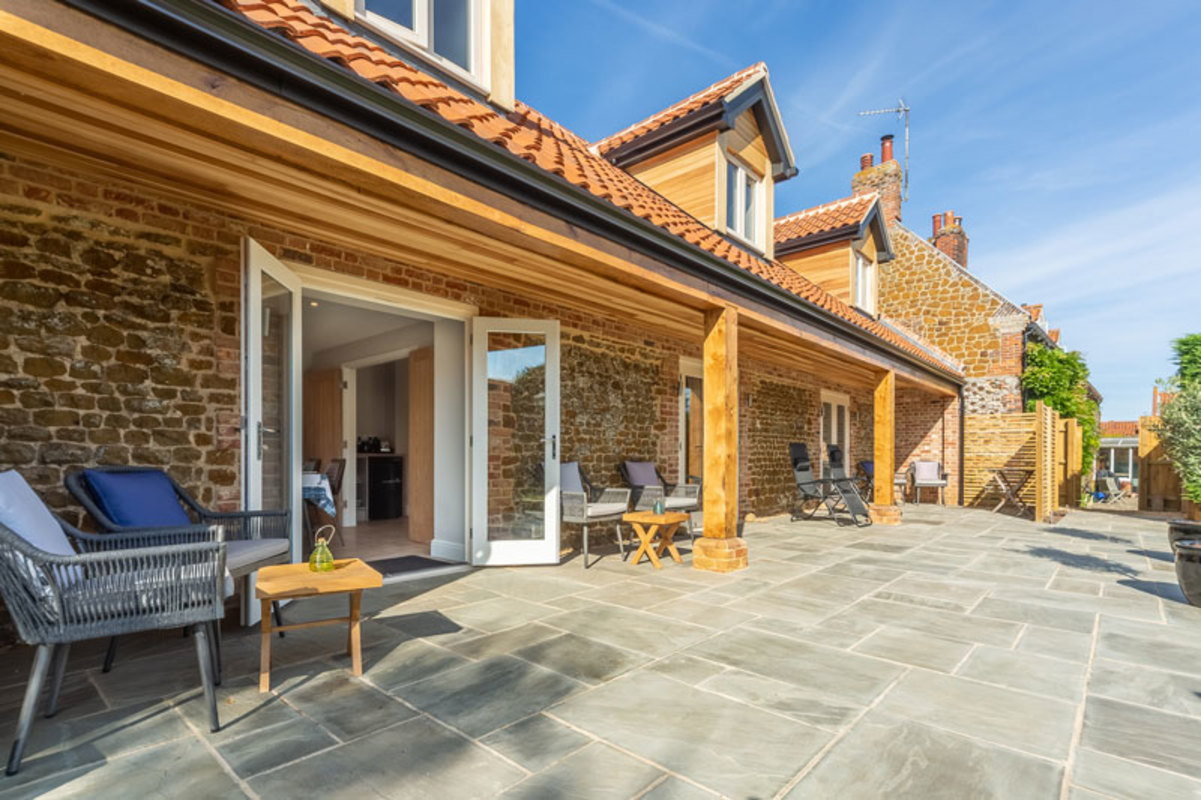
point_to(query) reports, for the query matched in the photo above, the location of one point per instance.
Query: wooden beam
(884, 437)
(721, 550)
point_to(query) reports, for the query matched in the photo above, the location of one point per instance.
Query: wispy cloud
(664, 33)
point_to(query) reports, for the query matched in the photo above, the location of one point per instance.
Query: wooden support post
(721, 549)
(884, 430)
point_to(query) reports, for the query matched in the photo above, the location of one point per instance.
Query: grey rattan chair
(580, 507)
(118, 584)
(927, 475)
(254, 539)
(648, 485)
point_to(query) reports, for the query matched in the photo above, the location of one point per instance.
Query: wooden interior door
(694, 428)
(420, 461)
(323, 419)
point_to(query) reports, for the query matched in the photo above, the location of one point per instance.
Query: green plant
(1179, 431)
(1059, 378)
(1188, 357)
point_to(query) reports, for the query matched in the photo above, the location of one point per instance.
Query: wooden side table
(646, 525)
(290, 581)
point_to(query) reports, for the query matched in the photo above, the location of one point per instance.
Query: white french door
(835, 428)
(271, 417)
(514, 441)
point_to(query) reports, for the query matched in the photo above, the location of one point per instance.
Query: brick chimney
(884, 178)
(949, 237)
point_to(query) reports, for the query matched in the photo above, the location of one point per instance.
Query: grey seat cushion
(241, 553)
(679, 503)
(606, 509)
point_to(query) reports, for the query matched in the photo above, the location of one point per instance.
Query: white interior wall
(450, 441)
(375, 400)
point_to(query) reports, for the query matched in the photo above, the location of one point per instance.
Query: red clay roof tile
(1114, 429)
(694, 102)
(824, 218)
(530, 135)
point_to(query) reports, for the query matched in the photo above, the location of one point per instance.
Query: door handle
(554, 445)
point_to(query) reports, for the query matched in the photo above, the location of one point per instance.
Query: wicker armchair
(254, 539)
(117, 584)
(584, 505)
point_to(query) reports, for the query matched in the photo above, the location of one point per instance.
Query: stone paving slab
(960, 654)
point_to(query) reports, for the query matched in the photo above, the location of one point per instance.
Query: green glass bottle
(321, 559)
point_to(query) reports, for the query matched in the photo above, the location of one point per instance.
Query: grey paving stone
(704, 614)
(1167, 691)
(885, 756)
(633, 594)
(948, 624)
(480, 697)
(1046, 616)
(958, 594)
(528, 584)
(676, 789)
(185, 768)
(496, 615)
(1075, 585)
(407, 661)
(57, 744)
(1032, 724)
(346, 707)
(629, 629)
(597, 771)
(910, 647)
(731, 747)
(688, 669)
(242, 708)
(1153, 651)
(1128, 780)
(495, 644)
(415, 759)
(1025, 671)
(1056, 643)
(1142, 734)
(798, 702)
(535, 742)
(836, 672)
(584, 659)
(274, 746)
(78, 698)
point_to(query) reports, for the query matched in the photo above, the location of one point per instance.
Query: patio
(962, 654)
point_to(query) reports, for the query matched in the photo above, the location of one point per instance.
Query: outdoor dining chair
(584, 505)
(117, 584)
(927, 475)
(647, 485)
(131, 499)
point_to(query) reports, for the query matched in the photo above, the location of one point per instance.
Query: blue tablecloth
(315, 489)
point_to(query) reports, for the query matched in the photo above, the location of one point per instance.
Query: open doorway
(368, 428)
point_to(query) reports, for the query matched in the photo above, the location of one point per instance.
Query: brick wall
(928, 430)
(942, 303)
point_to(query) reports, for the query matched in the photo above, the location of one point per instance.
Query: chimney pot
(948, 218)
(937, 223)
(865, 161)
(886, 148)
(959, 221)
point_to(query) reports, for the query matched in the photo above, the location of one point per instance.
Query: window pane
(732, 197)
(398, 11)
(748, 227)
(842, 427)
(452, 31)
(516, 370)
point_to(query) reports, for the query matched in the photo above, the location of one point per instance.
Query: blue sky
(1067, 135)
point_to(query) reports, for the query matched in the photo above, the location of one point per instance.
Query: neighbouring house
(1119, 450)
(237, 236)
(858, 249)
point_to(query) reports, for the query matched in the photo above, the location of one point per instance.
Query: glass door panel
(515, 441)
(271, 387)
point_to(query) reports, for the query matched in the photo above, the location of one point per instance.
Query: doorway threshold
(427, 572)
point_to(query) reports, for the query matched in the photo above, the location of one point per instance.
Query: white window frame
(864, 283)
(419, 39)
(755, 237)
(835, 399)
(689, 368)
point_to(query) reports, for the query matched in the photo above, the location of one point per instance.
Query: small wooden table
(646, 524)
(289, 581)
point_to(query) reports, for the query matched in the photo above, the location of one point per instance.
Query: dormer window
(447, 32)
(744, 203)
(865, 284)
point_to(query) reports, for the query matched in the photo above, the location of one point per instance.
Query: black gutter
(224, 40)
(818, 239)
(962, 449)
(662, 139)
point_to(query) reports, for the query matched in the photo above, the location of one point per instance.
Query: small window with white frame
(447, 32)
(865, 284)
(744, 202)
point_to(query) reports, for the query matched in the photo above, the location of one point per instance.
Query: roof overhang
(218, 38)
(872, 222)
(755, 95)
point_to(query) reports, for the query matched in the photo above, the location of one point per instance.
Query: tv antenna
(902, 112)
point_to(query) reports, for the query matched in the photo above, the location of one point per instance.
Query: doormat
(403, 564)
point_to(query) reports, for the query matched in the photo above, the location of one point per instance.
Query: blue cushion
(569, 477)
(143, 499)
(642, 473)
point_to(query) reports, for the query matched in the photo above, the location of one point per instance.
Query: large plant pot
(1188, 569)
(1182, 529)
